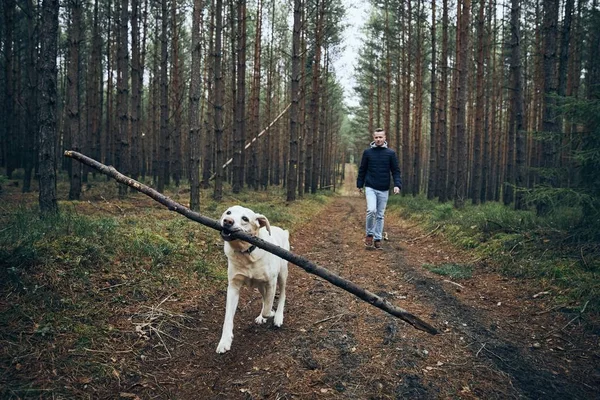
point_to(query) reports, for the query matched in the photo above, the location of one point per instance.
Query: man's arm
(395, 169)
(362, 171)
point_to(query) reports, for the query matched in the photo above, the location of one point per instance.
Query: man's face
(379, 138)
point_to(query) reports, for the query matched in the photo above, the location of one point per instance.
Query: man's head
(379, 137)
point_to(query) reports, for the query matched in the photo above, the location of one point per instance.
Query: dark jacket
(375, 167)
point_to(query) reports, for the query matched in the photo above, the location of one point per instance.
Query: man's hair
(379, 130)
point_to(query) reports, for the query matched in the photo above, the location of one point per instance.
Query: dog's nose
(227, 222)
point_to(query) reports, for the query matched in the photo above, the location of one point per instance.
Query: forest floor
(499, 337)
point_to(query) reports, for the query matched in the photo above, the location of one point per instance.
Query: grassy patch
(517, 243)
(453, 271)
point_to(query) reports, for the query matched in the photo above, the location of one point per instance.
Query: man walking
(377, 163)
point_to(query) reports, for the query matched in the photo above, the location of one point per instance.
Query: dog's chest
(253, 274)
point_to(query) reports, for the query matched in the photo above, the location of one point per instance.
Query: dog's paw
(224, 346)
(278, 320)
(260, 320)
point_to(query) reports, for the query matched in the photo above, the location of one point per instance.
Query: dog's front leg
(233, 296)
(268, 295)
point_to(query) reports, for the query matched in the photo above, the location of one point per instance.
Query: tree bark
(240, 106)
(123, 153)
(208, 163)
(73, 78)
(194, 107)
(137, 84)
(295, 95)
(176, 98)
(461, 100)
(517, 104)
(32, 99)
(219, 95)
(479, 110)
(433, 135)
(164, 173)
(48, 122)
(442, 190)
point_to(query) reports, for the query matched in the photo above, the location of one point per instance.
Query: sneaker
(369, 241)
(378, 245)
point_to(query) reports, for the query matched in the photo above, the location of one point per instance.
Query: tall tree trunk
(461, 100)
(48, 122)
(107, 139)
(295, 96)
(218, 104)
(95, 88)
(176, 98)
(593, 62)
(73, 78)
(122, 155)
(9, 122)
(32, 109)
(303, 100)
(268, 141)
(136, 89)
(441, 186)
(315, 96)
(209, 117)
(479, 110)
(418, 109)
(517, 103)
(194, 106)
(487, 150)
(433, 136)
(563, 64)
(255, 100)
(240, 107)
(388, 73)
(406, 139)
(550, 124)
(165, 135)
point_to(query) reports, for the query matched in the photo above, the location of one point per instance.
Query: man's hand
(396, 190)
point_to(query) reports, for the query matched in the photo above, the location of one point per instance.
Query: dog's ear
(263, 221)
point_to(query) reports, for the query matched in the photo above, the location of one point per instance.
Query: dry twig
(424, 236)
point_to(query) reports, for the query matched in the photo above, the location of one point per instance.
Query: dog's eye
(245, 219)
(228, 213)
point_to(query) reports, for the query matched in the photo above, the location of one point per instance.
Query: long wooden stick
(301, 262)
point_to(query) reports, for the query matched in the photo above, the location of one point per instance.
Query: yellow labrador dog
(248, 265)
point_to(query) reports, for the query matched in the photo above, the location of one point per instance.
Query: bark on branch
(301, 262)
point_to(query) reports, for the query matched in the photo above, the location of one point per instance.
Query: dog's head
(238, 218)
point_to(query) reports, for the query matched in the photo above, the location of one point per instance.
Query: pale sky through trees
(356, 16)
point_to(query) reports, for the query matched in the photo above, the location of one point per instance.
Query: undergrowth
(76, 287)
(518, 243)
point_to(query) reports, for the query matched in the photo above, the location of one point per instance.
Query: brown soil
(497, 340)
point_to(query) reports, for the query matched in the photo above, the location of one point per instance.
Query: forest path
(497, 340)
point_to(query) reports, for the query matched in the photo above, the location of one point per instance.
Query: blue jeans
(376, 203)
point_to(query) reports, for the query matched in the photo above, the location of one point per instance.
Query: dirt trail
(497, 340)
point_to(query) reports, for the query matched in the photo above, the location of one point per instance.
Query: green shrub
(28, 240)
(547, 247)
